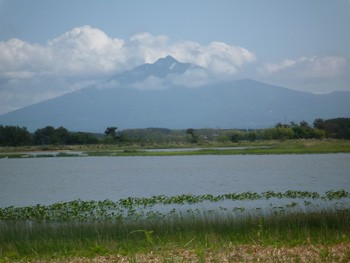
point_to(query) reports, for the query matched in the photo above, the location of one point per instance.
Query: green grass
(258, 147)
(20, 241)
(89, 229)
(262, 147)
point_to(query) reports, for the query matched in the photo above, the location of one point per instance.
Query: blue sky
(48, 48)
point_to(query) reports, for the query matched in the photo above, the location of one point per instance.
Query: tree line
(20, 136)
(13, 136)
(338, 128)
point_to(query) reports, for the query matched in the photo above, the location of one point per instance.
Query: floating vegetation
(140, 208)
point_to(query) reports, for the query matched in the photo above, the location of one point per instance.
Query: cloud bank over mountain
(30, 72)
(327, 72)
(87, 51)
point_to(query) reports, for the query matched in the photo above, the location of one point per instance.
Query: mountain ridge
(244, 103)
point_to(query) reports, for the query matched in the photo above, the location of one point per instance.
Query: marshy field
(106, 231)
(272, 201)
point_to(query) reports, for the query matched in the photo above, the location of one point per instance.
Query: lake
(31, 181)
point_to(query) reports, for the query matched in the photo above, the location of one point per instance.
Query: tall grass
(28, 240)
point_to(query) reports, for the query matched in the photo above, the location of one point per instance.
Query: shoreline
(259, 147)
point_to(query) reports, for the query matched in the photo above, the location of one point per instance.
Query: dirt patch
(230, 253)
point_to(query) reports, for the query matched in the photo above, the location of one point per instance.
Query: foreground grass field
(290, 237)
(105, 231)
(315, 237)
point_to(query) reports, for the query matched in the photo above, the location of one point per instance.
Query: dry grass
(229, 253)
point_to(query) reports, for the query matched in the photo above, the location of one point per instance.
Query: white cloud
(217, 57)
(86, 51)
(80, 52)
(193, 78)
(20, 59)
(150, 83)
(86, 54)
(145, 48)
(317, 74)
(307, 68)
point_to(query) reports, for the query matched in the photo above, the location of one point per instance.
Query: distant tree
(235, 136)
(318, 124)
(252, 135)
(318, 133)
(278, 133)
(14, 136)
(61, 136)
(44, 136)
(338, 128)
(304, 124)
(302, 131)
(281, 125)
(112, 132)
(150, 135)
(50, 135)
(83, 138)
(192, 132)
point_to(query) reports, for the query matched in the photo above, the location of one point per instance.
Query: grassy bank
(111, 231)
(165, 238)
(263, 147)
(258, 147)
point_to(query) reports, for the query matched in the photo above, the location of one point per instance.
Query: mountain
(227, 104)
(160, 69)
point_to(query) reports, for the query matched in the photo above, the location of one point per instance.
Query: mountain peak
(171, 64)
(168, 60)
(160, 69)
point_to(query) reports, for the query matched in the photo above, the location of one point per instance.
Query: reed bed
(106, 229)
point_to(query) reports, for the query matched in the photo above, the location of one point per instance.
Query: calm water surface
(48, 180)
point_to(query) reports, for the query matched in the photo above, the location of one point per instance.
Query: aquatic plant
(139, 208)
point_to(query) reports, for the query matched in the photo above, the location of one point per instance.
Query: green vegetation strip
(90, 229)
(259, 147)
(79, 210)
(24, 241)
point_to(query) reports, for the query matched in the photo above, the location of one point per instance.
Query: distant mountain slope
(236, 104)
